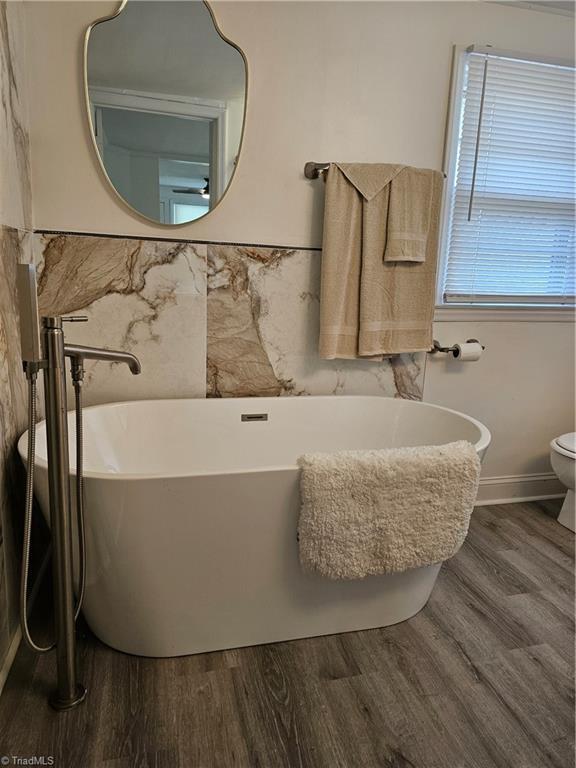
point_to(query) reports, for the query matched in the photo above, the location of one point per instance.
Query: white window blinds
(510, 224)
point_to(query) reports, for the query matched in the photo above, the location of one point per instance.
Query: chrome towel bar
(313, 170)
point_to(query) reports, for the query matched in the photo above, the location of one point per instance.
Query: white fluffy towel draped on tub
(384, 511)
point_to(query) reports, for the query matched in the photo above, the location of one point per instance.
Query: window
(508, 235)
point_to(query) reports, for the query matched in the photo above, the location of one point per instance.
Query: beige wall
(522, 388)
(327, 81)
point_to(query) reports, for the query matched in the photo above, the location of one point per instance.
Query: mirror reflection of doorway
(162, 164)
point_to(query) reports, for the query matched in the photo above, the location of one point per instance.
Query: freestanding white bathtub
(191, 515)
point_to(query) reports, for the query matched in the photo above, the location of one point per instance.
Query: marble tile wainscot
(205, 319)
(263, 319)
(259, 320)
(144, 296)
(13, 420)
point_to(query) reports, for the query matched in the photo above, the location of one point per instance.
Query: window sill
(499, 314)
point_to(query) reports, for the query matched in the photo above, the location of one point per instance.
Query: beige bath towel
(372, 512)
(370, 305)
(410, 208)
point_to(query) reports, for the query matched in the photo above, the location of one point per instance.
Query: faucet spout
(79, 353)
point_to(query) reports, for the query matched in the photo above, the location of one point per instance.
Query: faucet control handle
(75, 319)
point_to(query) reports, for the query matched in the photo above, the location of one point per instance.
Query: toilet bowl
(563, 460)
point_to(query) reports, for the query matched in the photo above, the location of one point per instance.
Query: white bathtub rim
(480, 445)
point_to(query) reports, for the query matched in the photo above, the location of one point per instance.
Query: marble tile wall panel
(15, 197)
(263, 318)
(221, 320)
(254, 334)
(13, 419)
(15, 222)
(146, 297)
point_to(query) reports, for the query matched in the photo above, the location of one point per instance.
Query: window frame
(480, 311)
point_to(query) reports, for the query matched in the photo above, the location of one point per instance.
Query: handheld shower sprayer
(43, 349)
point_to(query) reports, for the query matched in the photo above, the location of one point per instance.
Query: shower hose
(32, 414)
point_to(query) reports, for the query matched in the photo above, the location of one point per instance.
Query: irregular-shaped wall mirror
(166, 94)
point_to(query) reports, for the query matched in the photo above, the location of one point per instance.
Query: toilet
(563, 460)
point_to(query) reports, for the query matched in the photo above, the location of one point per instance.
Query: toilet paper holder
(451, 350)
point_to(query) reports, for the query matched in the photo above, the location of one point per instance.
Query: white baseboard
(507, 489)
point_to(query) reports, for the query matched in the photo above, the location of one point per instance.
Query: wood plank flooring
(481, 678)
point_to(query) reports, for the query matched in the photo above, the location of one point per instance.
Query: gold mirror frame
(125, 203)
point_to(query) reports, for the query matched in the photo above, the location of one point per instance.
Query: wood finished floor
(482, 677)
